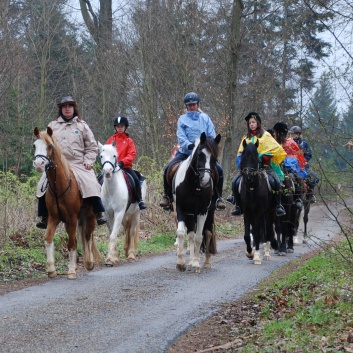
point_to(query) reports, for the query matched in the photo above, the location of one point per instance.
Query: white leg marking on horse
(267, 255)
(180, 238)
(256, 258)
(50, 259)
(71, 274)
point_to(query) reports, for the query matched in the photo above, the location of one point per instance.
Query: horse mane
(210, 145)
(52, 141)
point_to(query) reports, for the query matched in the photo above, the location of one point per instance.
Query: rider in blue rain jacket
(189, 128)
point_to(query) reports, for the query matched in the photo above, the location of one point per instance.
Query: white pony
(118, 207)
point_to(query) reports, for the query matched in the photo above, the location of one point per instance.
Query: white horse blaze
(40, 163)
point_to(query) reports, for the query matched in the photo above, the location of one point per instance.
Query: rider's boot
(236, 211)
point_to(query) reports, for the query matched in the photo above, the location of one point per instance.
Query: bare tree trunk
(230, 149)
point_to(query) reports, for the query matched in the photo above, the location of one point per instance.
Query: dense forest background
(288, 60)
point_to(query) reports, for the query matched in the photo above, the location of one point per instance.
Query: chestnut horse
(64, 201)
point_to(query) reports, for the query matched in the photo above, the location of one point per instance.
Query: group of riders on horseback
(275, 149)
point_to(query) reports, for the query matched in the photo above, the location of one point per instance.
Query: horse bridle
(114, 166)
(53, 166)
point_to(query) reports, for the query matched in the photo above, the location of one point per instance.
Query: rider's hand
(88, 166)
(121, 164)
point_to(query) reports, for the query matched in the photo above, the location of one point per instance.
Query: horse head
(204, 158)
(43, 149)
(249, 164)
(109, 157)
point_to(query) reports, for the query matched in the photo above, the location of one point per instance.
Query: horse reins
(53, 189)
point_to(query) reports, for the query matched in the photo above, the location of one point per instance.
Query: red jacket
(293, 150)
(125, 147)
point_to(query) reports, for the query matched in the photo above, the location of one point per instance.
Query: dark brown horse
(285, 225)
(64, 201)
(258, 204)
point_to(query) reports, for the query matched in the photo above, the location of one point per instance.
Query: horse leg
(115, 223)
(256, 231)
(247, 238)
(305, 219)
(296, 226)
(180, 265)
(131, 226)
(72, 247)
(86, 228)
(267, 247)
(208, 237)
(49, 246)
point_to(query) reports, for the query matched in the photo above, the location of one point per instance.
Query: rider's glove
(121, 164)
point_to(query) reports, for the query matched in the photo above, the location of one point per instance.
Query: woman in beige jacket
(80, 149)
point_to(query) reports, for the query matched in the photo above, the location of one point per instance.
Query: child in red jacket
(126, 153)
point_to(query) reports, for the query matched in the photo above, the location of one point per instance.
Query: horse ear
(100, 146)
(114, 143)
(50, 131)
(257, 143)
(218, 138)
(244, 143)
(36, 132)
(202, 138)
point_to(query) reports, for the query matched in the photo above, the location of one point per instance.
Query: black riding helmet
(191, 98)
(254, 116)
(281, 127)
(121, 120)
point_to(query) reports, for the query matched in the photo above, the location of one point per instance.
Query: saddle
(130, 183)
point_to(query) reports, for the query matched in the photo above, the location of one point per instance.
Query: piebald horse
(194, 198)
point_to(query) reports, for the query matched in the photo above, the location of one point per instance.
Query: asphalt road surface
(136, 307)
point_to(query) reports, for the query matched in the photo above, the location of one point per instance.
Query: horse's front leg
(247, 237)
(197, 240)
(180, 233)
(72, 247)
(114, 221)
(49, 247)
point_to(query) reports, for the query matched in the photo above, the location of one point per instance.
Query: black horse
(258, 204)
(194, 202)
(285, 225)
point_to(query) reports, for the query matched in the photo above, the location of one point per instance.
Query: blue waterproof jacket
(190, 127)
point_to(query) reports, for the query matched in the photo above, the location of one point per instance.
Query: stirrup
(220, 206)
(100, 218)
(280, 211)
(230, 199)
(236, 211)
(142, 205)
(165, 203)
(42, 224)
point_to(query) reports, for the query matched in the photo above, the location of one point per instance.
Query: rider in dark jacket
(312, 179)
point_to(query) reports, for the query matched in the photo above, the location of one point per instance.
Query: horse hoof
(291, 251)
(89, 266)
(71, 276)
(109, 264)
(197, 270)
(282, 253)
(267, 258)
(257, 262)
(296, 240)
(131, 258)
(52, 274)
(206, 265)
(181, 268)
(249, 256)
(276, 251)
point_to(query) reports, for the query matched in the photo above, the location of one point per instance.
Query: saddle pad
(130, 186)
